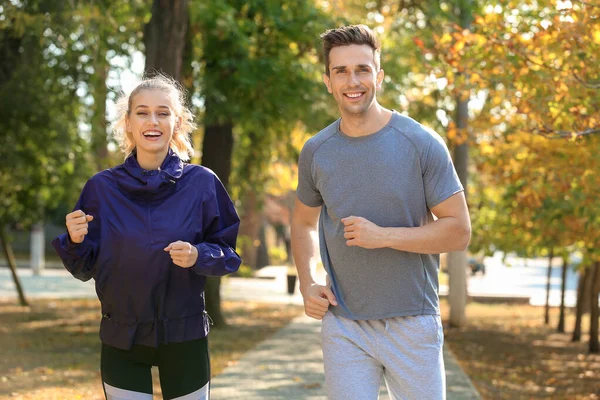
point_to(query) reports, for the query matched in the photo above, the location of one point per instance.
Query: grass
(51, 349)
(510, 354)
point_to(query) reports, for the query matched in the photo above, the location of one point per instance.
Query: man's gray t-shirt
(392, 178)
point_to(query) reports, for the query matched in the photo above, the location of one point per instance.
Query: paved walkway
(289, 365)
(286, 366)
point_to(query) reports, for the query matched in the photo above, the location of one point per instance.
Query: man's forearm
(304, 240)
(441, 236)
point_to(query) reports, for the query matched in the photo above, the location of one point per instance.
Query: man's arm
(304, 240)
(450, 232)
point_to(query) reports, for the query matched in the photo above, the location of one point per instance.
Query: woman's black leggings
(184, 371)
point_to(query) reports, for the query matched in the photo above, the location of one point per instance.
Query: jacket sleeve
(80, 258)
(216, 253)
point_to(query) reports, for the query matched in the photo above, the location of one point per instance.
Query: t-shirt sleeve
(307, 189)
(439, 176)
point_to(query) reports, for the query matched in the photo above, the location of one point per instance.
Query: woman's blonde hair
(180, 142)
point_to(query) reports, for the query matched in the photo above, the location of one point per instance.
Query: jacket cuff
(64, 245)
(205, 254)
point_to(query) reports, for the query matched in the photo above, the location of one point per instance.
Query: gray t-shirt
(392, 178)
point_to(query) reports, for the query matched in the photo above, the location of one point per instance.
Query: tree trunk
(262, 253)
(547, 308)
(164, 37)
(217, 149)
(563, 288)
(594, 312)
(99, 124)
(457, 283)
(582, 290)
(457, 261)
(36, 248)
(249, 227)
(10, 57)
(12, 264)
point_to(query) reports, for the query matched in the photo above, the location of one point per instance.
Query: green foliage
(278, 255)
(245, 271)
(43, 156)
(260, 71)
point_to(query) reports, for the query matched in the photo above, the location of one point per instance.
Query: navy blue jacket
(146, 299)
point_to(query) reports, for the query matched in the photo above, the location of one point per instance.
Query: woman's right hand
(77, 225)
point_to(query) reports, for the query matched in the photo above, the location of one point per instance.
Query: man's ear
(327, 83)
(380, 76)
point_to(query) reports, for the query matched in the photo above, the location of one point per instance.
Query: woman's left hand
(183, 254)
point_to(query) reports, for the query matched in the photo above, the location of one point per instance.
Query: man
(375, 178)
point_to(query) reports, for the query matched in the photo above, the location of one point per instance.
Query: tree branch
(591, 85)
(588, 3)
(552, 134)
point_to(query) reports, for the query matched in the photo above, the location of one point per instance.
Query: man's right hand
(77, 225)
(317, 299)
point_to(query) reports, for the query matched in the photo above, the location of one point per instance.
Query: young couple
(150, 230)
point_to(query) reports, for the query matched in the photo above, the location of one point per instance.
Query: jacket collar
(150, 182)
(171, 167)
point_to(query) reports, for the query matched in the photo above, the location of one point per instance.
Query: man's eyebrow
(344, 66)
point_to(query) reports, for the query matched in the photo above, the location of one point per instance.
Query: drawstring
(210, 320)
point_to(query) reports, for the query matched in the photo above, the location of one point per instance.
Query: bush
(245, 271)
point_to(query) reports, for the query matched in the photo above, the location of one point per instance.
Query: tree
(551, 93)
(561, 318)
(258, 76)
(42, 153)
(594, 346)
(165, 37)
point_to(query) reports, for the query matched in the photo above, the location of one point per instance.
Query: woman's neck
(151, 161)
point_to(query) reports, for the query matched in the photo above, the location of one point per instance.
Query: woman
(149, 231)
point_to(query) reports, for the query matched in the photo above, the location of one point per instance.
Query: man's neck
(365, 124)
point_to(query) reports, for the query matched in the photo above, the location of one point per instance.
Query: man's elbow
(463, 237)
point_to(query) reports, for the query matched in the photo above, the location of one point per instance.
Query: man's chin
(355, 110)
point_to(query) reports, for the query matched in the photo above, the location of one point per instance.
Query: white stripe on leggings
(114, 393)
(200, 394)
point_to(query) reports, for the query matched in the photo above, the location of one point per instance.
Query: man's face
(353, 78)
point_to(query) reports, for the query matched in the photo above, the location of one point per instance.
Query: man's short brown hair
(347, 35)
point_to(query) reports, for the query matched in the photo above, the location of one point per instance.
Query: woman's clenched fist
(183, 254)
(77, 225)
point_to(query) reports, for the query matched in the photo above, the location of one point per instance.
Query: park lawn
(51, 350)
(510, 354)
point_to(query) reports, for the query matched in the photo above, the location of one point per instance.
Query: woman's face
(152, 121)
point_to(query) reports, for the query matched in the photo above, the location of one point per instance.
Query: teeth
(353, 95)
(152, 134)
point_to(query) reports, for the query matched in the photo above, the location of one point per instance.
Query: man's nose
(353, 79)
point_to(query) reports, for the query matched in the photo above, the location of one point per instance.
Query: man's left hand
(361, 232)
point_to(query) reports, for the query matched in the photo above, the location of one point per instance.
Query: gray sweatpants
(405, 351)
